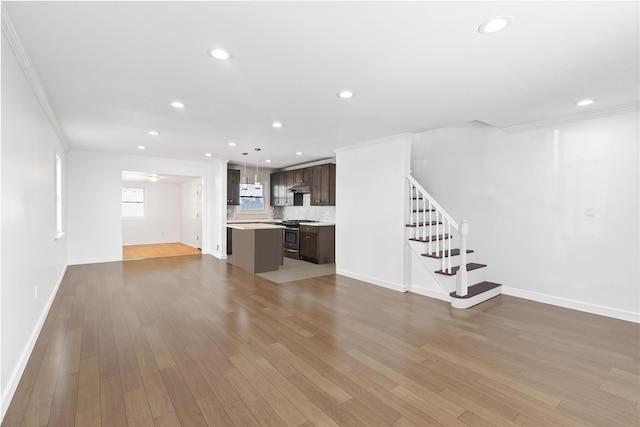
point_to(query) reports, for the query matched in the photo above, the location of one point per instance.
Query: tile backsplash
(311, 213)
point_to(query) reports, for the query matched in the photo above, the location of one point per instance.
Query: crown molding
(557, 121)
(406, 137)
(30, 73)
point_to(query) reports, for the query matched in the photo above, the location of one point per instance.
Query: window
(251, 197)
(132, 202)
(58, 181)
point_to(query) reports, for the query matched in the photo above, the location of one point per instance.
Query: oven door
(291, 237)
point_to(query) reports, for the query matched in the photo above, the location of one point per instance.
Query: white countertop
(254, 226)
(251, 221)
(318, 224)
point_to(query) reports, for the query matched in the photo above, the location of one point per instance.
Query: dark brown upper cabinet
(233, 187)
(323, 185)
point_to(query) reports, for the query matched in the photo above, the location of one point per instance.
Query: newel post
(462, 284)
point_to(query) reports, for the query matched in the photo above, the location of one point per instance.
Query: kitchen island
(257, 247)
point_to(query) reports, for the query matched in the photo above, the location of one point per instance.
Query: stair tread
(470, 266)
(426, 223)
(477, 289)
(454, 252)
(433, 238)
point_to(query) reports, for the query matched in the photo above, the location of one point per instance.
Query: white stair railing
(434, 217)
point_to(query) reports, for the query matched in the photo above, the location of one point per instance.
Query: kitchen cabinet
(321, 180)
(290, 179)
(302, 176)
(318, 243)
(277, 189)
(233, 187)
(323, 185)
(280, 182)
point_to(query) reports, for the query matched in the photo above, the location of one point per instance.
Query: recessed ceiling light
(268, 161)
(153, 132)
(141, 147)
(231, 143)
(495, 24)
(177, 104)
(299, 153)
(208, 154)
(277, 125)
(585, 102)
(345, 94)
(153, 178)
(219, 53)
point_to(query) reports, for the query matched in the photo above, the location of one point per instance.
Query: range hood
(300, 188)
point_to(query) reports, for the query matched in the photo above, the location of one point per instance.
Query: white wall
(190, 224)
(30, 254)
(526, 196)
(215, 201)
(161, 222)
(370, 210)
(94, 202)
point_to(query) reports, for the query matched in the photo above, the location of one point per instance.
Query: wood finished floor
(157, 250)
(194, 341)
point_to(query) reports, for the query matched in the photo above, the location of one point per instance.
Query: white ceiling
(110, 70)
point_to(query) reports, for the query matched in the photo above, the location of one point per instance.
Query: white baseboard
(14, 379)
(374, 281)
(93, 260)
(217, 254)
(573, 304)
(428, 292)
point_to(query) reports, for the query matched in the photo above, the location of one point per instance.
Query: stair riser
(470, 302)
(475, 276)
(434, 263)
(455, 260)
(424, 216)
(430, 230)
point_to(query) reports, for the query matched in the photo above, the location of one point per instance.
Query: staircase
(430, 233)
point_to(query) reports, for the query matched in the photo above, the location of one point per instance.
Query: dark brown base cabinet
(318, 243)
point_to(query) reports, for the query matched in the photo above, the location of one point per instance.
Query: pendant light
(256, 180)
(244, 181)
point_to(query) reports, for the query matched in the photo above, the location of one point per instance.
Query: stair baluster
(411, 197)
(437, 233)
(430, 249)
(449, 252)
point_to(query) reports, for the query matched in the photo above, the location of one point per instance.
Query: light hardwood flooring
(194, 341)
(157, 250)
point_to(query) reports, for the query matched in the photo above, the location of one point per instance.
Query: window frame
(143, 202)
(261, 197)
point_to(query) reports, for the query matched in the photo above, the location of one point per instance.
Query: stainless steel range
(292, 237)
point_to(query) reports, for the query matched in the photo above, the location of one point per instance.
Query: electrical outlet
(589, 211)
(217, 247)
(36, 292)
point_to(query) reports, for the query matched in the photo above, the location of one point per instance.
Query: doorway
(161, 215)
